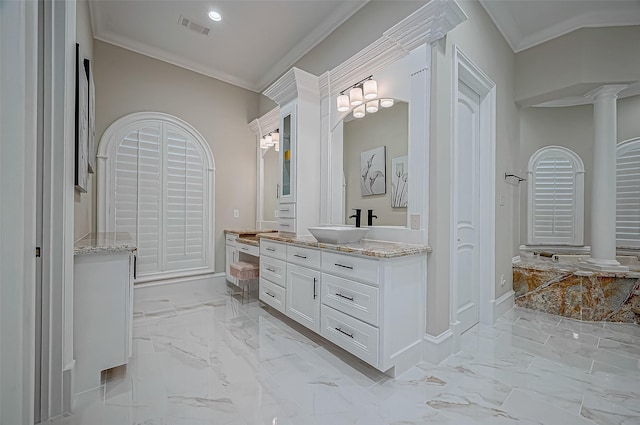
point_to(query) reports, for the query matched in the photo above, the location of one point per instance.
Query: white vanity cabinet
(303, 286)
(372, 307)
(298, 94)
(273, 274)
(231, 255)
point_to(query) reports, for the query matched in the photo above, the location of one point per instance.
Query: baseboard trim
(164, 287)
(437, 348)
(501, 305)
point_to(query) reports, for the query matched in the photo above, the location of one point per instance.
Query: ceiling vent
(193, 26)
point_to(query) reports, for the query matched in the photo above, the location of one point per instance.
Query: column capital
(609, 90)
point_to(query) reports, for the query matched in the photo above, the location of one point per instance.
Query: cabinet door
(232, 256)
(287, 158)
(303, 296)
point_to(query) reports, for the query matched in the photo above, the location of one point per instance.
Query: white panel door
(466, 204)
(303, 296)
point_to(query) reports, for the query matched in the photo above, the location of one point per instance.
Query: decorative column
(603, 195)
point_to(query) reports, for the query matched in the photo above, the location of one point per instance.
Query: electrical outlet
(276, 213)
(415, 221)
(502, 280)
(236, 213)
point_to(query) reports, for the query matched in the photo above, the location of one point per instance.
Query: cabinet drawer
(351, 267)
(287, 211)
(355, 336)
(273, 249)
(353, 298)
(230, 238)
(305, 257)
(287, 225)
(273, 270)
(272, 294)
(248, 249)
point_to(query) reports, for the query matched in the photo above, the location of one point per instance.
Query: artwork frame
(81, 175)
(373, 176)
(92, 118)
(399, 182)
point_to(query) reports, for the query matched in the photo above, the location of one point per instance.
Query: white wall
(128, 82)
(84, 202)
(571, 127)
(481, 41)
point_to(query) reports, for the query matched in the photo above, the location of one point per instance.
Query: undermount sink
(338, 234)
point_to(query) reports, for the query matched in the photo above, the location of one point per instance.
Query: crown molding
(428, 24)
(267, 123)
(295, 83)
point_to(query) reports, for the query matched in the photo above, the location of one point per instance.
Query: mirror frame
(413, 35)
(265, 124)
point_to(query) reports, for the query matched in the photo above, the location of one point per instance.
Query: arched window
(628, 194)
(156, 182)
(556, 197)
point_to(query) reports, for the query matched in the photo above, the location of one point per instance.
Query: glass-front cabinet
(287, 153)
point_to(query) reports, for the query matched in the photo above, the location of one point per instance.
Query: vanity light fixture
(372, 106)
(362, 91)
(386, 103)
(359, 112)
(215, 16)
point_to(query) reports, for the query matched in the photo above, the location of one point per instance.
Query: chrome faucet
(370, 218)
(356, 216)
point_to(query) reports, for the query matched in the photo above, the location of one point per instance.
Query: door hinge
(37, 252)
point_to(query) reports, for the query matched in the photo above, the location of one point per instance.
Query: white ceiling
(255, 42)
(526, 23)
(259, 40)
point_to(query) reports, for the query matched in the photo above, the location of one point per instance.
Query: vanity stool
(244, 271)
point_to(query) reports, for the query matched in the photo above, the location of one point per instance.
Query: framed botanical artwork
(399, 181)
(82, 124)
(92, 117)
(373, 165)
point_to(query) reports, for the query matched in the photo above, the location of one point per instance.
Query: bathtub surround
(603, 199)
(568, 291)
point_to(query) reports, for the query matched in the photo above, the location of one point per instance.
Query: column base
(603, 265)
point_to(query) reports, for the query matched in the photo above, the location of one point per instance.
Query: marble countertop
(104, 243)
(247, 232)
(249, 240)
(366, 247)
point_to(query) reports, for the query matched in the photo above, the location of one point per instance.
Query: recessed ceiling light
(215, 16)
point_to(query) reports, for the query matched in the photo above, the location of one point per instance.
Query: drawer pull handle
(314, 288)
(284, 225)
(345, 297)
(270, 294)
(304, 257)
(347, 334)
(244, 249)
(270, 249)
(284, 209)
(270, 269)
(343, 266)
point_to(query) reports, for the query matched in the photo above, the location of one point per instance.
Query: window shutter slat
(628, 195)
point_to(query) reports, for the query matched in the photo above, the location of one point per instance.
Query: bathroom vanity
(367, 297)
(104, 270)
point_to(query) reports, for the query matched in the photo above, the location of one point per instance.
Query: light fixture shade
(275, 137)
(269, 141)
(355, 96)
(372, 106)
(359, 112)
(343, 103)
(370, 88)
(276, 146)
(263, 143)
(386, 103)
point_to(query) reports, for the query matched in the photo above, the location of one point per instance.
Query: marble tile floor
(208, 359)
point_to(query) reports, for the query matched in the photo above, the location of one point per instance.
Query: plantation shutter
(160, 194)
(184, 202)
(556, 213)
(628, 196)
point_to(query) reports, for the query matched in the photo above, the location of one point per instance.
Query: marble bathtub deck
(207, 359)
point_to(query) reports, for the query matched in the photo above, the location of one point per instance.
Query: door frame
(465, 70)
